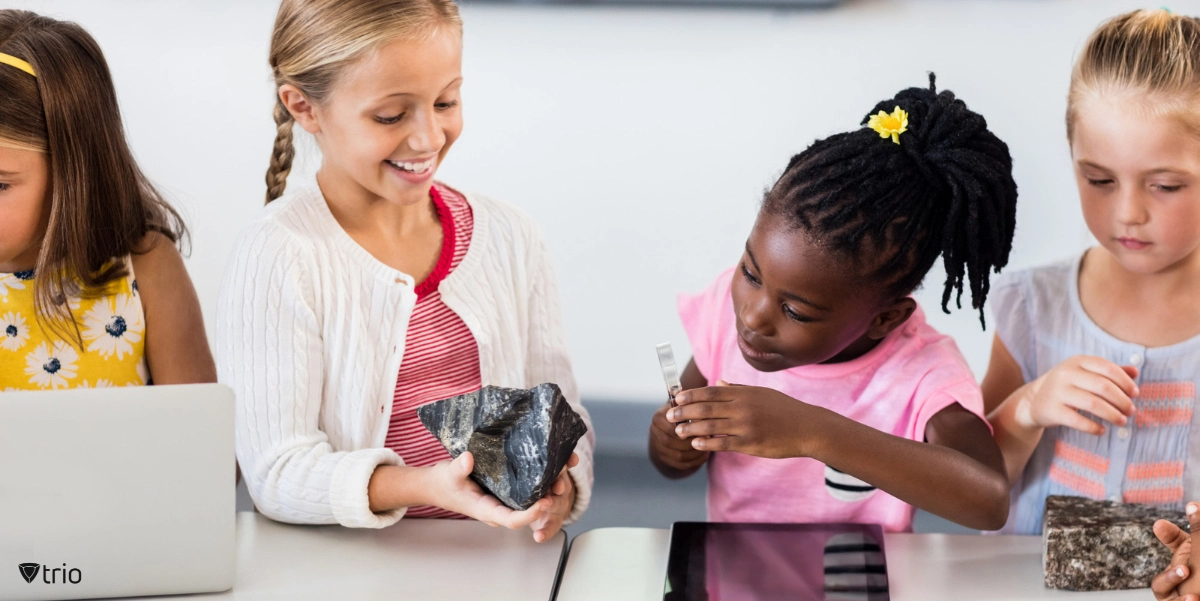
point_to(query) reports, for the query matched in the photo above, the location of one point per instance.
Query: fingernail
(1192, 508)
(679, 430)
(1179, 571)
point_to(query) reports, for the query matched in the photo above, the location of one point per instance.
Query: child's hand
(1174, 583)
(562, 499)
(747, 419)
(453, 489)
(1081, 383)
(669, 450)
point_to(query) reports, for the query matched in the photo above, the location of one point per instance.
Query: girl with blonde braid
(359, 296)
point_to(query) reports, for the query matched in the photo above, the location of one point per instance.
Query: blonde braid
(282, 154)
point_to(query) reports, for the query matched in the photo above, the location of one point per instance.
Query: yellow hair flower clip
(890, 125)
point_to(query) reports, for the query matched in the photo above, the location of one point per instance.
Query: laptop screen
(767, 562)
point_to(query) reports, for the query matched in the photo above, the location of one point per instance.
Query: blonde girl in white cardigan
(354, 298)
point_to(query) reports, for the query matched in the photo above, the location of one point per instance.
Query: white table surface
(424, 560)
(629, 564)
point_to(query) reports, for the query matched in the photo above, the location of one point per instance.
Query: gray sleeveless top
(1040, 319)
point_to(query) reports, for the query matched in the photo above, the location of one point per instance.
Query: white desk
(628, 564)
(427, 560)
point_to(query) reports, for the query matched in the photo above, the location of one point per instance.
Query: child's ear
(891, 317)
(301, 109)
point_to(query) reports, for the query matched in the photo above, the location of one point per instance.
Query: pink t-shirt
(896, 387)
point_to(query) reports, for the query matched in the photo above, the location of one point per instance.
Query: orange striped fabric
(1162, 404)
(1079, 470)
(1157, 417)
(441, 357)
(1167, 391)
(1170, 495)
(1159, 483)
(1162, 470)
(1080, 457)
(1083, 485)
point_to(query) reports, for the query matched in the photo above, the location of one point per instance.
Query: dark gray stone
(1101, 545)
(521, 439)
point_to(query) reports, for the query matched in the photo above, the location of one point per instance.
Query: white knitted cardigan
(310, 335)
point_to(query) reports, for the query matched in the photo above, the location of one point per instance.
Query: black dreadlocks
(946, 189)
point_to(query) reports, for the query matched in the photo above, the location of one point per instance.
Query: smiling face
(392, 118)
(1139, 183)
(796, 304)
(24, 206)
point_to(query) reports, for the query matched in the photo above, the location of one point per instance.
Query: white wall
(640, 138)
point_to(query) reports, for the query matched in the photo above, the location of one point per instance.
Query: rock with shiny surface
(521, 439)
(1102, 545)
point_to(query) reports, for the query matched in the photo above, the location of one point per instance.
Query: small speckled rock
(1101, 545)
(521, 439)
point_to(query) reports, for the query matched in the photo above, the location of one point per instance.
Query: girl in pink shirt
(832, 399)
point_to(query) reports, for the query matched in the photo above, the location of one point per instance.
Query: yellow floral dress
(112, 327)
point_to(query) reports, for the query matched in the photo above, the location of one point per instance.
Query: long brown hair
(101, 204)
(1154, 53)
(314, 40)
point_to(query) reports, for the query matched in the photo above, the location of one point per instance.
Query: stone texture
(521, 439)
(1101, 545)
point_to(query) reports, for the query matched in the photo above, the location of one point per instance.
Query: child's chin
(1141, 262)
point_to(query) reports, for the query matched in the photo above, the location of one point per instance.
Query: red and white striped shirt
(441, 358)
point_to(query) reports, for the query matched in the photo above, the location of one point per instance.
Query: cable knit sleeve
(270, 351)
(549, 360)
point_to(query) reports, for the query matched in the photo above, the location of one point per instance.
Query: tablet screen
(769, 562)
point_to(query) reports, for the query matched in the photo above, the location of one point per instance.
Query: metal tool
(666, 360)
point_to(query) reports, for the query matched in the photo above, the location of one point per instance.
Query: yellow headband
(13, 61)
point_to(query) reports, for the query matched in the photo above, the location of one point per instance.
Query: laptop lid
(767, 562)
(116, 492)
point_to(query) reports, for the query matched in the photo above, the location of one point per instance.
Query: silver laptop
(116, 492)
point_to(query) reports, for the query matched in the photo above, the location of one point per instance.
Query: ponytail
(945, 188)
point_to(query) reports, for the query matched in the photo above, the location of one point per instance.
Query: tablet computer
(769, 562)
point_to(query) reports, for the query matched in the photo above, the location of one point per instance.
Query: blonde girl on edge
(353, 299)
(93, 291)
(1092, 383)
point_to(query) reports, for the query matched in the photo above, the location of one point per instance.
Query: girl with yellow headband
(93, 291)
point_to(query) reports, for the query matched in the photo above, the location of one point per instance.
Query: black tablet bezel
(687, 544)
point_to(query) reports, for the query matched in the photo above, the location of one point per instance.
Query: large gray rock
(521, 439)
(1101, 545)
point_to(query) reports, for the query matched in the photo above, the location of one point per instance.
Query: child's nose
(1131, 207)
(756, 314)
(428, 135)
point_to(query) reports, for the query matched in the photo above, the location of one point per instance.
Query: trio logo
(29, 571)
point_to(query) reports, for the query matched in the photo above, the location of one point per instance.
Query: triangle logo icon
(29, 571)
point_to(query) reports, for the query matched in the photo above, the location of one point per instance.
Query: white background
(641, 139)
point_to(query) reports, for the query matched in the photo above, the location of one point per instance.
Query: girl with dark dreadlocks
(831, 398)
